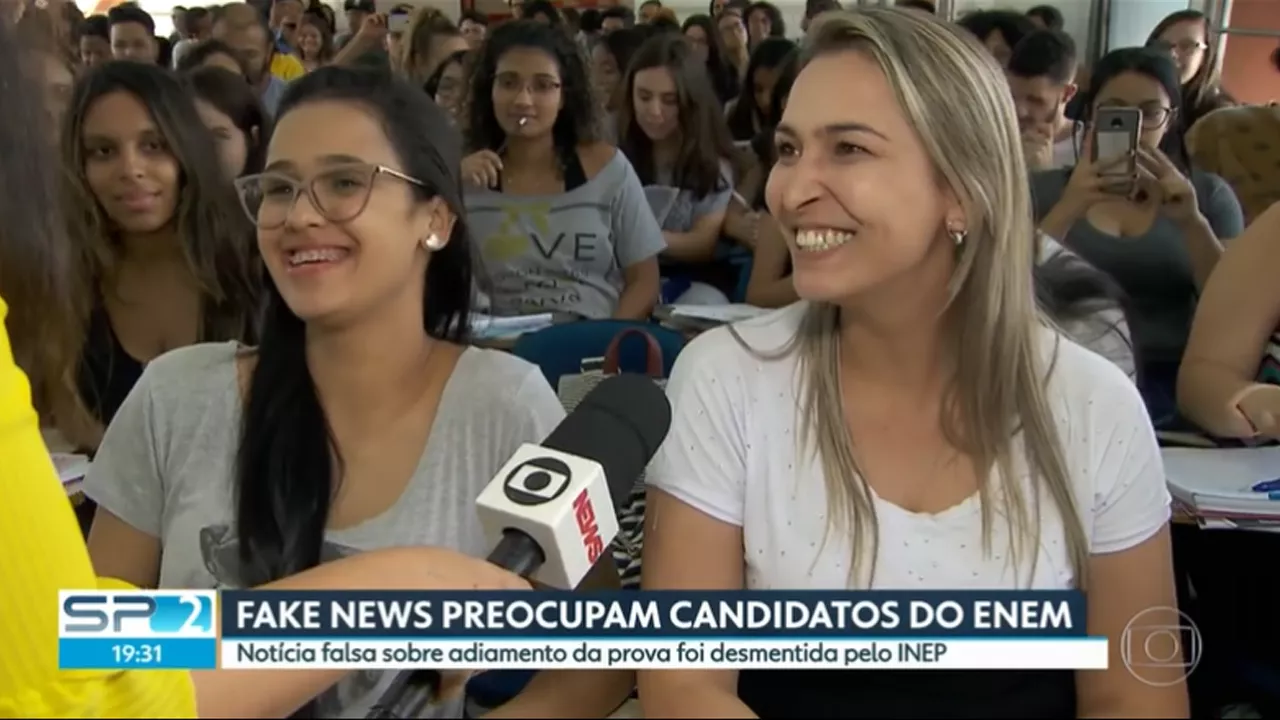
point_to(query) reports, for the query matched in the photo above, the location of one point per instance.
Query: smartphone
(398, 23)
(1115, 134)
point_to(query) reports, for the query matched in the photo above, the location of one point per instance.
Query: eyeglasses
(339, 194)
(513, 83)
(1181, 47)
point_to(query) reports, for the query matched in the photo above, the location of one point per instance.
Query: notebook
(489, 327)
(1217, 483)
(722, 314)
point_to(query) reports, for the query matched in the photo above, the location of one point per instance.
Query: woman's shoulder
(1078, 377)
(599, 158)
(194, 369)
(494, 375)
(744, 344)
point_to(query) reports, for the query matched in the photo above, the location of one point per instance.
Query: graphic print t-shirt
(564, 253)
(167, 467)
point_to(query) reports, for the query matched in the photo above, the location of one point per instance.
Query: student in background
(1186, 37)
(431, 39)
(243, 28)
(1041, 74)
(448, 85)
(733, 40)
(610, 58)
(616, 18)
(156, 218)
(700, 31)
(747, 114)
(211, 53)
(999, 30)
(315, 42)
(95, 40)
(672, 132)
(133, 34)
(1162, 239)
(474, 27)
(1229, 382)
(764, 20)
(560, 219)
(234, 117)
(1046, 17)
(911, 424)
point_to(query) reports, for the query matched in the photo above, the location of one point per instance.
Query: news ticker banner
(559, 630)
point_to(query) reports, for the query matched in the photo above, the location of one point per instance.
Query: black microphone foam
(620, 424)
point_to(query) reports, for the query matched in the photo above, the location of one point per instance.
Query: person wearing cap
(356, 12)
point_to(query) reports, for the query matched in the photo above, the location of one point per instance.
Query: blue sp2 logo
(116, 613)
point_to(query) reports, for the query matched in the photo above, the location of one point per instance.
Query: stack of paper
(71, 470)
(720, 314)
(489, 327)
(1218, 484)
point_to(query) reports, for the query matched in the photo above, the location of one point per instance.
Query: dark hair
(461, 57)
(590, 20)
(746, 114)
(704, 139)
(1012, 26)
(130, 13)
(576, 122)
(196, 14)
(1159, 67)
(618, 13)
(198, 55)
(1068, 289)
(214, 232)
(1045, 53)
(921, 5)
(762, 144)
(777, 25)
(475, 17)
(662, 25)
(96, 26)
(814, 8)
(724, 78)
(287, 464)
(531, 9)
(231, 95)
(1049, 15)
(40, 272)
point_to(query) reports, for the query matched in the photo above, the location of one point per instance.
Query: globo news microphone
(540, 509)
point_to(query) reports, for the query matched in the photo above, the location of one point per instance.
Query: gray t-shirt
(167, 464)
(1154, 269)
(564, 253)
(680, 209)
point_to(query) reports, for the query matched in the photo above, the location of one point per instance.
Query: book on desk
(1216, 486)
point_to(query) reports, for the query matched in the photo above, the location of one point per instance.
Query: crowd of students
(243, 285)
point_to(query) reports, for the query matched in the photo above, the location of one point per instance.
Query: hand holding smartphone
(1114, 144)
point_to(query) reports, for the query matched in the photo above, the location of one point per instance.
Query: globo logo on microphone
(537, 481)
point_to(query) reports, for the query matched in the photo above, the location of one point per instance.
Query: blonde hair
(427, 25)
(954, 97)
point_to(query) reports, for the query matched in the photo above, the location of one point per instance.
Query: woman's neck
(531, 152)
(665, 154)
(371, 367)
(158, 247)
(896, 336)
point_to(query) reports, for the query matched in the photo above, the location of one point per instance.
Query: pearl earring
(957, 236)
(432, 242)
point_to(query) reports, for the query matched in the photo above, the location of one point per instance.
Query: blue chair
(560, 349)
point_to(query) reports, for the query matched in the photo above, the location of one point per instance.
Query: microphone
(540, 509)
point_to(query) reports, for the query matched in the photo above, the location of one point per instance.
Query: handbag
(629, 545)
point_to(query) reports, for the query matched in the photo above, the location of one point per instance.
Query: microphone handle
(517, 552)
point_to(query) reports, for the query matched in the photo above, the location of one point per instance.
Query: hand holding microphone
(551, 511)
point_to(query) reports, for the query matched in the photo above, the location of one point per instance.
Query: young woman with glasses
(560, 218)
(363, 420)
(1158, 233)
(1186, 37)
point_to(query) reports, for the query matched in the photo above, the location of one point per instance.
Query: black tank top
(848, 694)
(107, 373)
(575, 176)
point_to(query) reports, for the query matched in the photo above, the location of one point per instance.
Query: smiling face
(361, 249)
(128, 165)
(853, 183)
(310, 40)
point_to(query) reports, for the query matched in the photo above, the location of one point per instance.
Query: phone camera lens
(1117, 122)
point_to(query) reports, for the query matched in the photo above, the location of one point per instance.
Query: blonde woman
(911, 423)
(431, 39)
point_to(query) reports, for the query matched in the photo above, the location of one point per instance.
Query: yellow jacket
(42, 552)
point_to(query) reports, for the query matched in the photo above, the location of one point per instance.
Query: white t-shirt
(732, 454)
